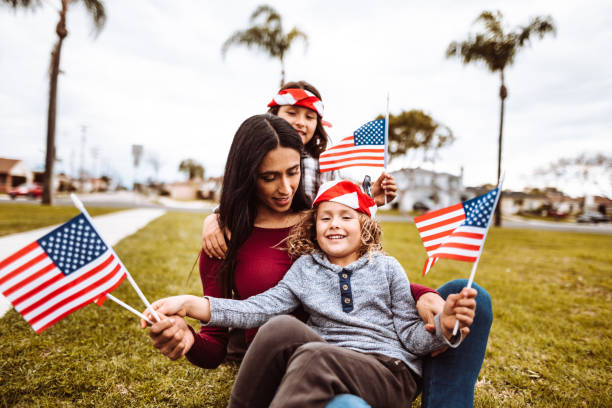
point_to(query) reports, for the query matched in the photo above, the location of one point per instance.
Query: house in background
(420, 189)
(13, 172)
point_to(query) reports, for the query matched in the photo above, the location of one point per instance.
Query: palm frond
(254, 37)
(22, 3)
(293, 35)
(97, 11)
(267, 10)
(538, 26)
(492, 22)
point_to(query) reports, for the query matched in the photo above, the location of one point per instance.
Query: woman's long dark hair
(257, 136)
(318, 143)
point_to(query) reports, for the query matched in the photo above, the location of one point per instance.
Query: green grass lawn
(16, 217)
(549, 345)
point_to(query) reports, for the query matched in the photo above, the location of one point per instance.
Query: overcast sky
(155, 76)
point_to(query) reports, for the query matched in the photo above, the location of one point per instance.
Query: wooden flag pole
(471, 279)
(81, 208)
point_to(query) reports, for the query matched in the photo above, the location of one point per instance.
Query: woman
(300, 104)
(262, 197)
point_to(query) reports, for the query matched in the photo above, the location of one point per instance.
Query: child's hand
(183, 305)
(428, 306)
(461, 307)
(384, 186)
(175, 305)
(213, 239)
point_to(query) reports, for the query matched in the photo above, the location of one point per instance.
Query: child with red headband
(301, 105)
(364, 335)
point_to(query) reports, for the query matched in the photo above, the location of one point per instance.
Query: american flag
(456, 232)
(60, 273)
(365, 148)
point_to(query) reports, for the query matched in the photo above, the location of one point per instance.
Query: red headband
(299, 97)
(347, 193)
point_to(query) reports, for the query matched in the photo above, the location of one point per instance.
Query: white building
(425, 189)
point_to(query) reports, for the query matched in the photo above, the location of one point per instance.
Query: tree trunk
(47, 197)
(503, 93)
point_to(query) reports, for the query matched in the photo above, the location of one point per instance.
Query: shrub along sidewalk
(549, 344)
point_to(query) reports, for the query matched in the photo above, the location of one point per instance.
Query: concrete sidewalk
(113, 227)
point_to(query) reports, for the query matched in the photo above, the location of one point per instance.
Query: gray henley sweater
(383, 318)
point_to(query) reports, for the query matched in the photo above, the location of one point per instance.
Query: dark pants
(290, 365)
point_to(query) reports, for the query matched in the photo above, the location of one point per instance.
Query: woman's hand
(213, 239)
(461, 307)
(384, 186)
(172, 336)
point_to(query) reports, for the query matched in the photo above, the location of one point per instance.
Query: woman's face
(278, 178)
(303, 120)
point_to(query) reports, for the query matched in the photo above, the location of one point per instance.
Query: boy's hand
(461, 307)
(428, 306)
(175, 305)
(213, 239)
(384, 186)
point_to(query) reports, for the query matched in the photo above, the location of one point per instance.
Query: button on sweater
(382, 318)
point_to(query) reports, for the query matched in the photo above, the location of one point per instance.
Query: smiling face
(303, 120)
(278, 178)
(338, 232)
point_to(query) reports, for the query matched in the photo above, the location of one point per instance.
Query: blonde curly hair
(302, 239)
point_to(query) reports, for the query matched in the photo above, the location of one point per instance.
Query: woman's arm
(175, 338)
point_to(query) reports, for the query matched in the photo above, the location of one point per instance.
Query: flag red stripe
(29, 279)
(342, 166)
(344, 144)
(85, 303)
(331, 154)
(37, 289)
(457, 257)
(436, 236)
(327, 162)
(75, 295)
(425, 270)
(23, 267)
(468, 235)
(68, 285)
(437, 213)
(442, 223)
(18, 254)
(460, 246)
(431, 248)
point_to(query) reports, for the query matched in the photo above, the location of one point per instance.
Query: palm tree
(268, 36)
(497, 49)
(98, 14)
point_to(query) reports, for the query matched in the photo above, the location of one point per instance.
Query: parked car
(594, 217)
(33, 190)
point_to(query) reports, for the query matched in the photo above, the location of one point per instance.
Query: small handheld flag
(457, 232)
(366, 147)
(60, 273)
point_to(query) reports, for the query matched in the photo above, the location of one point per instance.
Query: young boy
(364, 335)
